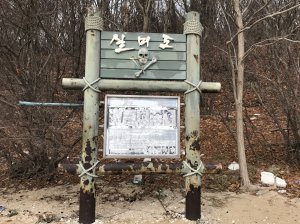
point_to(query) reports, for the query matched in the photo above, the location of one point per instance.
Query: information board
(141, 126)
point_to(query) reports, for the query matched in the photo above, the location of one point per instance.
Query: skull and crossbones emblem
(143, 56)
(141, 61)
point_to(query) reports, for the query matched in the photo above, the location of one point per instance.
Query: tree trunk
(146, 23)
(146, 13)
(239, 97)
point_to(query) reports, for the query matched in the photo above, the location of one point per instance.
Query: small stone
(12, 213)
(282, 191)
(234, 166)
(261, 192)
(137, 179)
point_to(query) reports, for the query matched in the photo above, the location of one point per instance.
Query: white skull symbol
(143, 56)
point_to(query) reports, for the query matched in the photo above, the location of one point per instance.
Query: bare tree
(41, 42)
(237, 56)
(283, 79)
(238, 87)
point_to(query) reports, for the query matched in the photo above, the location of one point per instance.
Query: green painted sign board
(163, 56)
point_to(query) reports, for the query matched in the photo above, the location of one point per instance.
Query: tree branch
(141, 6)
(274, 40)
(259, 10)
(148, 6)
(261, 19)
(7, 103)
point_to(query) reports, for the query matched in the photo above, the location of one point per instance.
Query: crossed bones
(137, 74)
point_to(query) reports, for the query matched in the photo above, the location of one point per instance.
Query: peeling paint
(195, 133)
(195, 144)
(88, 158)
(88, 148)
(87, 210)
(87, 165)
(86, 182)
(192, 206)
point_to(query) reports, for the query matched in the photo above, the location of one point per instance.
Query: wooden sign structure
(161, 65)
(167, 61)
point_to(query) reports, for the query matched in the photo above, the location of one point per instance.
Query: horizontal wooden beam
(130, 168)
(142, 85)
(49, 104)
(135, 168)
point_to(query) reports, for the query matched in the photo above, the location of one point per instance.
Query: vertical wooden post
(93, 27)
(192, 117)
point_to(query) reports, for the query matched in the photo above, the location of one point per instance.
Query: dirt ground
(129, 203)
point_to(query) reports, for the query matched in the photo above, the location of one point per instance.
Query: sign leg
(192, 118)
(93, 27)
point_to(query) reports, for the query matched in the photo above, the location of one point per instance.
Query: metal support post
(93, 27)
(192, 118)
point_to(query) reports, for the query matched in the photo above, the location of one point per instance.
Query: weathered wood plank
(160, 55)
(153, 46)
(129, 64)
(171, 62)
(149, 74)
(108, 35)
